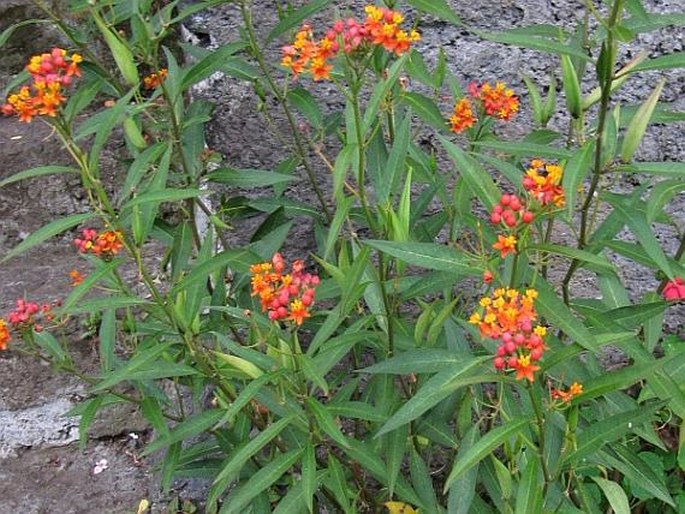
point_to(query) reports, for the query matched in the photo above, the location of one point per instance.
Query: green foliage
(380, 377)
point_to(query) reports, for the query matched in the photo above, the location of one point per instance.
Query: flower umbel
(104, 244)
(498, 101)
(50, 73)
(462, 117)
(543, 182)
(154, 79)
(508, 316)
(283, 295)
(674, 290)
(575, 389)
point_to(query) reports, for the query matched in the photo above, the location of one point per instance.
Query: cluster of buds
(50, 73)
(674, 290)
(104, 244)
(542, 181)
(155, 79)
(575, 389)
(497, 102)
(382, 27)
(508, 316)
(285, 296)
(27, 314)
(512, 214)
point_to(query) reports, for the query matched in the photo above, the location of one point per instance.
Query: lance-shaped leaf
(484, 447)
(638, 125)
(426, 255)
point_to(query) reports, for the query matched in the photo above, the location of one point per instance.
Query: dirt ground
(42, 469)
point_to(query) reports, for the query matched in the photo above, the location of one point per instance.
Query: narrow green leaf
(93, 278)
(438, 8)
(327, 422)
(664, 62)
(484, 447)
(463, 491)
(674, 169)
(535, 99)
(46, 232)
(637, 222)
(521, 148)
(36, 172)
(248, 178)
(309, 479)
(637, 471)
(608, 430)
(111, 302)
(615, 494)
(305, 102)
(107, 340)
(528, 497)
(575, 171)
(210, 64)
(426, 109)
(571, 87)
(426, 255)
(7, 33)
(638, 125)
(188, 428)
(478, 180)
(380, 92)
(421, 360)
(164, 195)
(236, 461)
(260, 481)
(395, 444)
(436, 389)
(661, 195)
(573, 253)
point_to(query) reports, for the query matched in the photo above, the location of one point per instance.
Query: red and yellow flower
(462, 116)
(4, 335)
(543, 182)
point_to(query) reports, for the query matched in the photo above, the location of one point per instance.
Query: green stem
(539, 418)
(297, 137)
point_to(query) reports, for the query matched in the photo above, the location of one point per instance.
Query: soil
(42, 469)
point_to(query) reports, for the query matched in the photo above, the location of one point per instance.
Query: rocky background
(42, 469)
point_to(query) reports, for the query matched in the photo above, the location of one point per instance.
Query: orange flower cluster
(4, 335)
(508, 316)
(574, 390)
(511, 213)
(382, 27)
(543, 182)
(498, 102)
(50, 73)
(155, 79)
(105, 244)
(462, 117)
(283, 295)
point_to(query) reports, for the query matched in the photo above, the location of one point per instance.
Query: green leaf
(46, 232)
(248, 178)
(7, 33)
(664, 62)
(140, 166)
(305, 102)
(575, 171)
(535, 99)
(571, 87)
(295, 18)
(637, 222)
(260, 481)
(93, 278)
(394, 445)
(676, 169)
(608, 430)
(51, 345)
(437, 8)
(535, 43)
(637, 471)
(557, 314)
(36, 172)
(326, 422)
(520, 148)
(573, 253)
(185, 430)
(380, 92)
(661, 195)
(528, 497)
(210, 64)
(239, 260)
(107, 340)
(91, 409)
(478, 180)
(420, 360)
(616, 496)
(238, 459)
(484, 447)
(111, 302)
(309, 479)
(638, 125)
(436, 389)
(163, 195)
(426, 109)
(463, 491)
(426, 255)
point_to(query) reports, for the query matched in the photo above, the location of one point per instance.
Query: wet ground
(42, 469)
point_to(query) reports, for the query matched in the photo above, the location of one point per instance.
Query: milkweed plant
(431, 352)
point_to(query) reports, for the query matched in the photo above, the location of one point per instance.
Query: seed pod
(571, 87)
